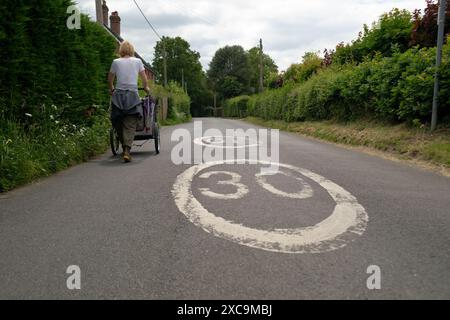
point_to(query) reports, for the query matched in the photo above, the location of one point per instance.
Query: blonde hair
(126, 49)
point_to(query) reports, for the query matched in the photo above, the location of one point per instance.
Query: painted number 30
(242, 190)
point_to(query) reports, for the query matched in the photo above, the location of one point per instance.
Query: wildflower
(68, 96)
(29, 115)
(52, 117)
(57, 122)
(8, 141)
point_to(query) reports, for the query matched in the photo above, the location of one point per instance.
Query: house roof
(119, 39)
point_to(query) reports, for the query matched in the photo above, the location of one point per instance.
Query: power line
(160, 38)
(149, 23)
(184, 9)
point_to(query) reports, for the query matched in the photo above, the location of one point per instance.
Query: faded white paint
(241, 192)
(348, 220)
(223, 142)
(305, 193)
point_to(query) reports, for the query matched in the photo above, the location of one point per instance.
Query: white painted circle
(348, 220)
(219, 141)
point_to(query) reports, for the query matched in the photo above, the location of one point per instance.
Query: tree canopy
(183, 63)
(229, 71)
(234, 71)
(269, 68)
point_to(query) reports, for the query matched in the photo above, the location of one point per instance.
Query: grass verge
(400, 140)
(29, 152)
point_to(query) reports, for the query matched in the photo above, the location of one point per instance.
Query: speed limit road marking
(347, 222)
(221, 142)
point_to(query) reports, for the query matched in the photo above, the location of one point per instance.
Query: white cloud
(289, 28)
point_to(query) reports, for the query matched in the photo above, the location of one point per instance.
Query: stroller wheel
(114, 142)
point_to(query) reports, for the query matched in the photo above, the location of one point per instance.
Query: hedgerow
(396, 88)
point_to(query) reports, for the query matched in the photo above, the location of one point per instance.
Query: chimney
(99, 11)
(115, 23)
(105, 13)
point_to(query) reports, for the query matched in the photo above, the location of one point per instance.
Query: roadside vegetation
(376, 91)
(54, 99)
(400, 140)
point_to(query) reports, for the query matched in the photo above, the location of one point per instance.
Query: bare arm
(144, 81)
(111, 77)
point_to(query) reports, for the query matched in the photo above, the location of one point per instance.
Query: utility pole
(182, 80)
(215, 104)
(440, 43)
(165, 62)
(261, 67)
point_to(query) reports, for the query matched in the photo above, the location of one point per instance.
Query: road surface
(150, 230)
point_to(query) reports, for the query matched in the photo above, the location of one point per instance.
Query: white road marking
(348, 220)
(241, 192)
(306, 192)
(219, 141)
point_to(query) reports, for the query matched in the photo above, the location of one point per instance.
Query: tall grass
(31, 149)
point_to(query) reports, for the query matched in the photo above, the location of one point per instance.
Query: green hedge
(179, 102)
(53, 90)
(42, 61)
(236, 107)
(397, 88)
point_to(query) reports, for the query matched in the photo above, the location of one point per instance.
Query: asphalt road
(136, 232)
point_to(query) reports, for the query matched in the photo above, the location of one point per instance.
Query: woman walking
(126, 104)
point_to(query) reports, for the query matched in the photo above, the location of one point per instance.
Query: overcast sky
(289, 28)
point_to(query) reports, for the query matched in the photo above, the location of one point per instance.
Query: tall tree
(229, 71)
(254, 60)
(183, 64)
(426, 27)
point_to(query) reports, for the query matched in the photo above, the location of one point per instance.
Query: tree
(425, 28)
(254, 60)
(182, 63)
(230, 66)
(230, 87)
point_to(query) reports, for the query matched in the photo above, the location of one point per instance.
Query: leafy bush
(391, 32)
(179, 101)
(298, 73)
(53, 90)
(236, 107)
(397, 88)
